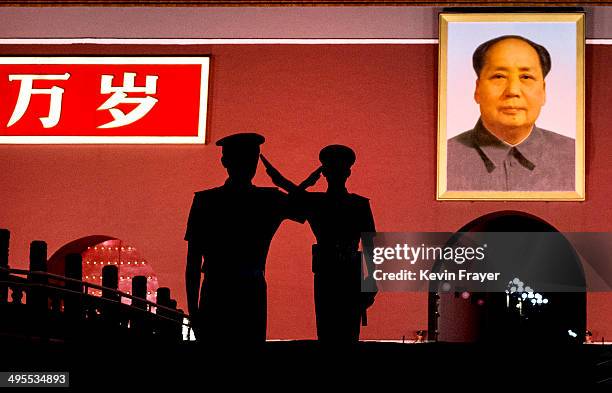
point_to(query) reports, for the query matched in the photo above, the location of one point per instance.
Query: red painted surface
(176, 112)
(379, 99)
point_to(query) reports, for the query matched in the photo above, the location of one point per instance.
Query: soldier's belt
(237, 273)
(332, 249)
(334, 258)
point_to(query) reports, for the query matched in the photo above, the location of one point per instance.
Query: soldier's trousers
(233, 312)
(337, 309)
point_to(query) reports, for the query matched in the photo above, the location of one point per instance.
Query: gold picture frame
(563, 32)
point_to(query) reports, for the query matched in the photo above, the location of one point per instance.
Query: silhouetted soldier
(339, 220)
(231, 228)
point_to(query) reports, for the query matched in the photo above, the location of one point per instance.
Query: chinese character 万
(26, 91)
(145, 104)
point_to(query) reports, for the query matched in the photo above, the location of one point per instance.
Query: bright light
(187, 332)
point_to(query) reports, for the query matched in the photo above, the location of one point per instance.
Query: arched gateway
(551, 317)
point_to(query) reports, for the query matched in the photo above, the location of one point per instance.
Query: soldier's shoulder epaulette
(360, 198)
(210, 191)
(268, 189)
(316, 195)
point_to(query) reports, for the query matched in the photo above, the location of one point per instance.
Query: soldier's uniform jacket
(233, 227)
(337, 221)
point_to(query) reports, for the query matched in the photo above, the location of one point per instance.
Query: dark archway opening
(497, 317)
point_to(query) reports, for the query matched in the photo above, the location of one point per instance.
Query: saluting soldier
(229, 232)
(339, 221)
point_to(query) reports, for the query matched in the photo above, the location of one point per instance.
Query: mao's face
(510, 89)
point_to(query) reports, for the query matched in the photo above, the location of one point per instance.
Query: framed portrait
(511, 107)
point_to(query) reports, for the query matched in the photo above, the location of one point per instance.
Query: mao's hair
(480, 54)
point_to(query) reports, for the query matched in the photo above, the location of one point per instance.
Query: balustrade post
(139, 321)
(110, 309)
(177, 328)
(5, 236)
(37, 297)
(139, 290)
(163, 299)
(73, 302)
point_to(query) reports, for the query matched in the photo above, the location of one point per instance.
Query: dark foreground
(303, 364)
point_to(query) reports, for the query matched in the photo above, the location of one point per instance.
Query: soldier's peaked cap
(337, 155)
(241, 140)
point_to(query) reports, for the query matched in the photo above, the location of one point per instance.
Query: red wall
(379, 99)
